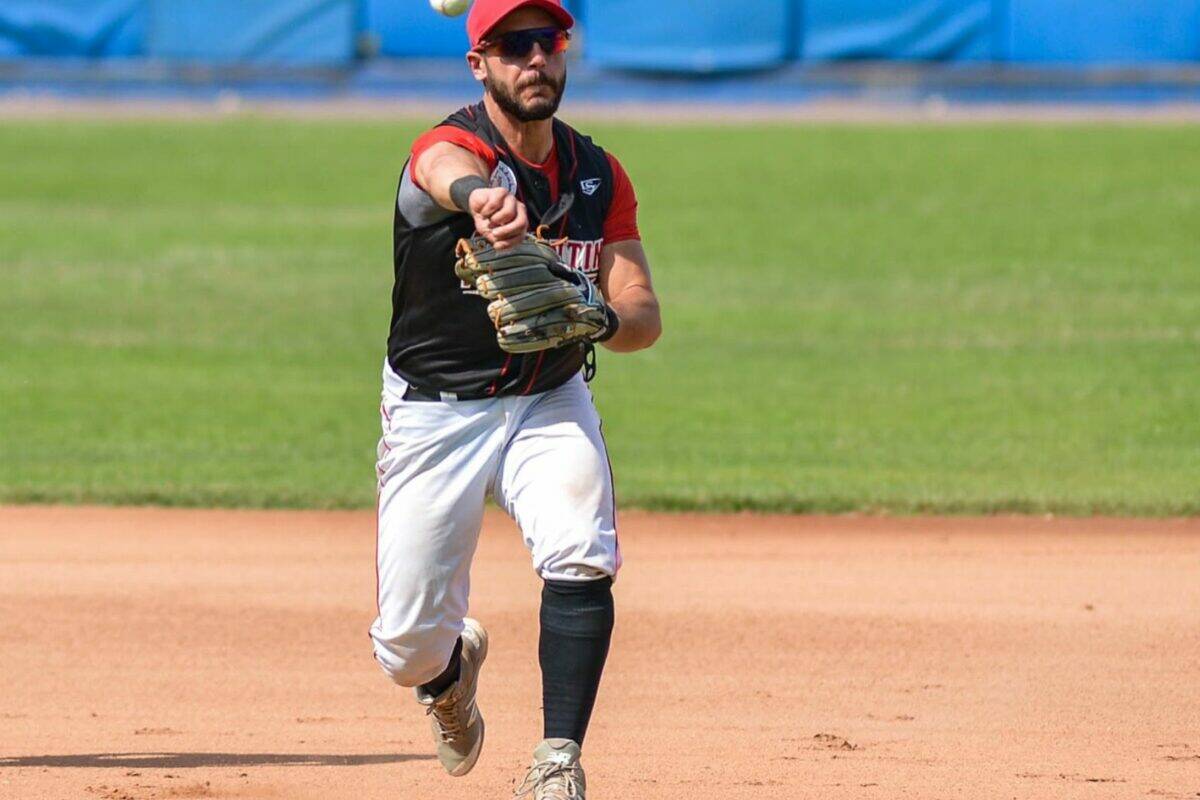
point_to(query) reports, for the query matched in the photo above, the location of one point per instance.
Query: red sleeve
(453, 135)
(621, 223)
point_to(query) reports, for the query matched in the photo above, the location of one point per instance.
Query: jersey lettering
(582, 256)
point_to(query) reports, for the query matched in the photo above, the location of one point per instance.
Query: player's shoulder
(579, 136)
(459, 130)
(469, 117)
(445, 133)
(464, 119)
(585, 143)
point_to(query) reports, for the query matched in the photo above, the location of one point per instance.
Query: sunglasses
(519, 44)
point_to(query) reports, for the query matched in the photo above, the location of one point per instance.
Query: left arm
(624, 281)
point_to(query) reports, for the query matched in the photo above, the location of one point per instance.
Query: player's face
(530, 86)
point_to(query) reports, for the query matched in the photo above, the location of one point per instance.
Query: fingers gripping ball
(450, 8)
(536, 302)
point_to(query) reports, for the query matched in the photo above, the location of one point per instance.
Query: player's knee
(587, 555)
(412, 658)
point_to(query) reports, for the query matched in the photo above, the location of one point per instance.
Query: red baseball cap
(486, 14)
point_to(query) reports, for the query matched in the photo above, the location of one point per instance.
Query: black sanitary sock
(444, 681)
(577, 623)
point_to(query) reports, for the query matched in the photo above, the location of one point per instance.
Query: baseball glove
(537, 302)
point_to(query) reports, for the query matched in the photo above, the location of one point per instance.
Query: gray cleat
(556, 773)
(455, 719)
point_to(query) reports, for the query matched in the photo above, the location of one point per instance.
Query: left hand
(537, 303)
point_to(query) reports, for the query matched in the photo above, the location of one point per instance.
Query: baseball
(450, 8)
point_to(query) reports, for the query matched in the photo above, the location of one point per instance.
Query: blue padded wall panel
(686, 36)
(927, 30)
(410, 28)
(578, 9)
(72, 28)
(1103, 31)
(263, 32)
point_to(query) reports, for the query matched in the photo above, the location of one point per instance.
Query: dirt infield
(155, 654)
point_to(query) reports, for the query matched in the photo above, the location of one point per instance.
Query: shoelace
(564, 784)
(450, 725)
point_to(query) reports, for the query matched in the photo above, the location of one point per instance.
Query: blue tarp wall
(683, 36)
(275, 32)
(666, 35)
(1102, 31)
(409, 29)
(934, 30)
(72, 28)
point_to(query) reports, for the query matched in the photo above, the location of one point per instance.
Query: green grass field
(908, 319)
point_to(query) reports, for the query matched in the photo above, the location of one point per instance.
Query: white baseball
(450, 8)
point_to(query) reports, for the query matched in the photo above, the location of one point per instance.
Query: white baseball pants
(543, 459)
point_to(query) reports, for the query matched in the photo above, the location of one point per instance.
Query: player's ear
(475, 62)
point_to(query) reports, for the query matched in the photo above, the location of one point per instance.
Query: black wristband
(613, 323)
(460, 190)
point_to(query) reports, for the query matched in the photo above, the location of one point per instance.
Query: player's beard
(537, 109)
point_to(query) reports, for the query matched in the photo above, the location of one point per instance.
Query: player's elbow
(649, 323)
(653, 327)
(639, 331)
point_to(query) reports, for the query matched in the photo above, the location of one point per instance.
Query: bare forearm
(442, 165)
(641, 323)
(457, 180)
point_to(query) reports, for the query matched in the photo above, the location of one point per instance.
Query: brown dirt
(181, 654)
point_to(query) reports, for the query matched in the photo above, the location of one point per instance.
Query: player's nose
(537, 56)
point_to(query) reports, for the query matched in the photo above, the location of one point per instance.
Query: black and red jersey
(619, 225)
(441, 339)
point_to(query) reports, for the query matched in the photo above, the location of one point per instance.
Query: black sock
(577, 623)
(444, 681)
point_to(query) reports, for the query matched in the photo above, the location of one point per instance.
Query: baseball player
(484, 390)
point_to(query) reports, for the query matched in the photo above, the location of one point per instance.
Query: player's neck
(531, 140)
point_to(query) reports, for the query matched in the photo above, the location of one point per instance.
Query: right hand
(499, 216)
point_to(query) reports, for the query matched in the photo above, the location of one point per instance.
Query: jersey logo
(589, 186)
(504, 177)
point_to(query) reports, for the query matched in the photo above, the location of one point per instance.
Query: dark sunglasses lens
(518, 44)
(558, 43)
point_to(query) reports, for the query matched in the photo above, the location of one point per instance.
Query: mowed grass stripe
(903, 319)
